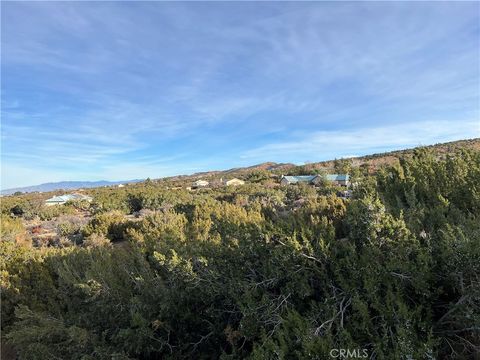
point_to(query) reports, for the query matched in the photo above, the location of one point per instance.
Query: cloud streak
(341, 143)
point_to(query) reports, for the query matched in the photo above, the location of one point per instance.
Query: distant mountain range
(65, 185)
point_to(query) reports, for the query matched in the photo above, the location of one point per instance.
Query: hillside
(389, 158)
(370, 161)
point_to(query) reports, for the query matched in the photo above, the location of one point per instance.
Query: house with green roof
(337, 179)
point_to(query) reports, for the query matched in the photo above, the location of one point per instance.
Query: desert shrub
(17, 210)
(111, 224)
(96, 240)
(50, 212)
(259, 273)
(258, 176)
(12, 230)
(67, 228)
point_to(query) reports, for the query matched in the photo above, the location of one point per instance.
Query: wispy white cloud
(324, 145)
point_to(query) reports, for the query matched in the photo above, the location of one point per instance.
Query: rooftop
(310, 178)
(68, 197)
(337, 177)
(300, 178)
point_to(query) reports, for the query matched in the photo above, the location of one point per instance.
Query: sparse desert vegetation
(155, 271)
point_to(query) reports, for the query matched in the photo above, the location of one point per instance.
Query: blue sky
(125, 90)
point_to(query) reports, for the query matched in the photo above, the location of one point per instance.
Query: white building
(233, 182)
(200, 183)
(62, 199)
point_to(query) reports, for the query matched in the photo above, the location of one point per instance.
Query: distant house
(306, 179)
(337, 179)
(62, 199)
(120, 185)
(200, 183)
(233, 182)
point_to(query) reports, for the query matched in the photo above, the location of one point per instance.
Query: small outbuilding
(233, 182)
(200, 183)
